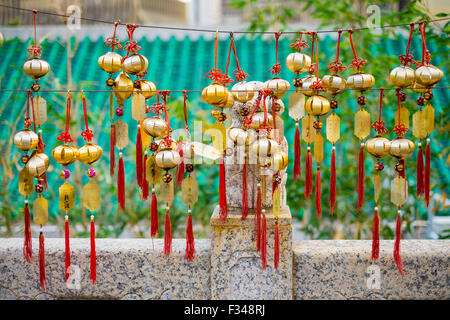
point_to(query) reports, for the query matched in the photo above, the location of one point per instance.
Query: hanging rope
(113, 42)
(357, 63)
(379, 125)
(337, 66)
(276, 68)
(86, 134)
(407, 58)
(65, 136)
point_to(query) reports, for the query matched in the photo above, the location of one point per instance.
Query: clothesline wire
(218, 31)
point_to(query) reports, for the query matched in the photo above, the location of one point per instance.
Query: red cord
(185, 113)
(407, 58)
(400, 129)
(379, 126)
(238, 73)
(131, 45)
(86, 134)
(276, 68)
(426, 57)
(299, 44)
(113, 42)
(34, 49)
(336, 66)
(215, 74)
(357, 63)
(65, 136)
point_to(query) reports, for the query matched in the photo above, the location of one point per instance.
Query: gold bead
(360, 81)
(401, 147)
(89, 153)
(36, 68)
(278, 86)
(65, 155)
(428, 75)
(298, 62)
(378, 146)
(38, 164)
(155, 126)
(135, 64)
(317, 105)
(402, 76)
(334, 84)
(110, 62)
(26, 139)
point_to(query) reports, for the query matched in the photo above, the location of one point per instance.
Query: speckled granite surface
(236, 271)
(126, 269)
(338, 269)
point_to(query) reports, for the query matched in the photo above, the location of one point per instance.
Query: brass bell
(402, 76)
(317, 105)
(360, 81)
(26, 139)
(148, 89)
(378, 146)
(155, 126)
(243, 92)
(280, 160)
(298, 62)
(167, 159)
(334, 84)
(110, 62)
(401, 147)
(89, 153)
(36, 68)
(65, 155)
(38, 164)
(306, 85)
(135, 64)
(264, 148)
(278, 86)
(428, 75)
(123, 87)
(242, 137)
(258, 120)
(215, 94)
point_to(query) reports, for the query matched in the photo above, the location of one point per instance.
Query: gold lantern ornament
(378, 146)
(401, 147)
(306, 83)
(89, 153)
(136, 64)
(257, 121)
(298, 62)
(155, 126)
(26, 139)
(360, 81)
(317, 105)
(334, 84)
(280, 161)
(263, 149)
(242, 137)
(65, 155)
(110, 62)
(38, 164)
(402, 76)
(123, 87)
(36, 68)
(243, 92)
(215, 94)
(428, 75)
(147, 88)
(278, 86)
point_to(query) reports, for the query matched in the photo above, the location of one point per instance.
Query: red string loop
(312, 68)
(27, 122)
(379, 126)
(426, 56)
(216, 74)
(86, 134)
(337, 66)
(239, 74)
(299, 44)
(400, 129)
(113, 42)
(276, 68)
(131, 45)
(357, 63)
(34, 49)
(407, 58)
(65, 136)
(185, 113)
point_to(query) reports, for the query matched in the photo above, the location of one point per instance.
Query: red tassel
(276, 255)
(360, 189)
(427, 173)
(121, 183)
(112, 156)
(145, 182)
(420, 179)
(333, 181)
(398, 235)
(308, 174)
(190, 245)
(27, 244)
(375, 236)
(93, 253)
(154, 215)
(42, 279)
(264, 243)
(318, 193)
(297, 174)
(258, 218)
(223, 210)
(139, 164)
(167, 234)
(67, 242)
(180, 171)
(244, 191)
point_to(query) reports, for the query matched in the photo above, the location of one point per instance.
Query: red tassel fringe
(258, 219)
(297, 174)
(333, 181)
(276, 254)
(375, 236)
(121, 184)
(93, 253)
(67, 242)
(360, 189)
(264, 243)
(167, 234)
(398, 235)
(145, 182)
(308, 175)
(427, 173)
(223, 210)
(27, 244)
(180, 171)
(112, 156)
(154, 216)
(244, 191)
(318, 193)
(420, 179)
(42, 279)
(139, 164)
(190, 245)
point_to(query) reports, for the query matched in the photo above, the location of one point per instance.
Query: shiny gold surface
(148, 89)
(123, 87)
(189, 191)
(378, 146)
(215, 94)
(25, 182)
(402, 76)
(26, 139)
(66, 197)
(278, 86)
(153, 173)
(317, 105)
(243, 91)
(401, 147)
(362, 124)
(38, 164)
(155, 126)
(280, 160)
(121, 134)
(334, 84)
(167, 159)
(428, 75)
(89, 153)
(135, 64)
(40, 211)
(360, 81)
(333, 128)
(65, 155)
(296, 105)
(298, 62)
(36, 68)
(110, 62)
(91, 196)
(241, 137)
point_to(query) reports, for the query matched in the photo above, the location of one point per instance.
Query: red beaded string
(65, 136)
(336, 66)
(407, 58)
(357, 63)
(379, 126)
(86, 134)
(34, 49)
(113, 42)
(276, 68)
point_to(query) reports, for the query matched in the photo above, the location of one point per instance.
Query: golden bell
(428, 75)
(334, 84)
(110, 62)
(241, 137)
(26, 139)
(378, 146)
(123, 87)
(401, 147)
(278, 86)
(89, 153)
(298, 62)
(360, 81)
(215, 94)
(155, 126)
(38, 164)
(258, 120)
(135, 64)
(36, 68)
(167, 159)
(148, 89)
(65, 155)
(243, 92)
(280, 161)
(402, 76)
(306, 85)
(264, 148)
(317, 105)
